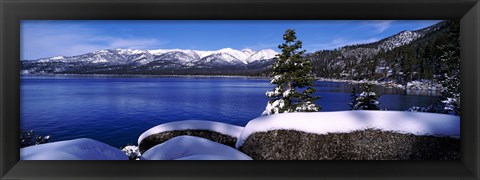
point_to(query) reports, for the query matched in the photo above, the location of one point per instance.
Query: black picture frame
(12, 11)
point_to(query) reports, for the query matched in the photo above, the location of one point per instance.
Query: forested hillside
(419, 59)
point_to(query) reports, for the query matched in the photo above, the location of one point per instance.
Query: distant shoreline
(137, 75)
(420, 85)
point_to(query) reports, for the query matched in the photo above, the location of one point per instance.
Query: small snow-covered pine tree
(367, 99)
(291, 73)
(353, 99)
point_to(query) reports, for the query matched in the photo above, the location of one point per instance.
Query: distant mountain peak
(112, 59)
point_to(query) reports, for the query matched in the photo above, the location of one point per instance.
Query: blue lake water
(116, 110)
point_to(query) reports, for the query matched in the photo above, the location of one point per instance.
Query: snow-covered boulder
(417, 123)
(76, 149)
(215, 131)
(219, 127)
(192, 148)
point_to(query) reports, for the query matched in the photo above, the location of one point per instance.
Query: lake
(116, 110)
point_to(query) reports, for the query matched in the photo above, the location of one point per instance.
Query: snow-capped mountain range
(159, 61)
(184, 57)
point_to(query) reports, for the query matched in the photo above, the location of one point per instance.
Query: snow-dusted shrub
(132, 152)
(367, 100)
(450, 95)
(29, 138)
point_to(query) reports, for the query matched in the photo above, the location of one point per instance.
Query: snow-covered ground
(417, 123)
(222, 128)
(192, 148)
(77, 149)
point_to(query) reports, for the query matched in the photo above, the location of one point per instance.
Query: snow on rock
(193, 148)
(219, 127)
(417, 123)
(76, 149)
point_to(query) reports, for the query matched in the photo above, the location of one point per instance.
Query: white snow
(288, 92)
(102, 51)
(225, 56)
(247, 51)
(130, 51)
(262, 54)
(77, 149)
(132, 151)
(307, 106)
(186, 56)
(245, 55)
(57, 58)
(192, 148)
(365, 94)
(275, 106)
(240, 55)
(275, 92)
(275, 79)
(417, 123)
(222, 128)
(162, 51)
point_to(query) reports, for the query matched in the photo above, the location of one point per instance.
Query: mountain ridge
(225, 61)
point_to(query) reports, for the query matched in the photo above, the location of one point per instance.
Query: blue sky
(40, 38)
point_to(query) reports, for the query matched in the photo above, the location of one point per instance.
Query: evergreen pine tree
(450, 71)
(291, 73)
(367, 99)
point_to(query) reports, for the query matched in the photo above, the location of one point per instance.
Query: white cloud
(38, 41)
(380, 25)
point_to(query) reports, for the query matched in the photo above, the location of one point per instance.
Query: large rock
(159, 138)
(367, 144)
